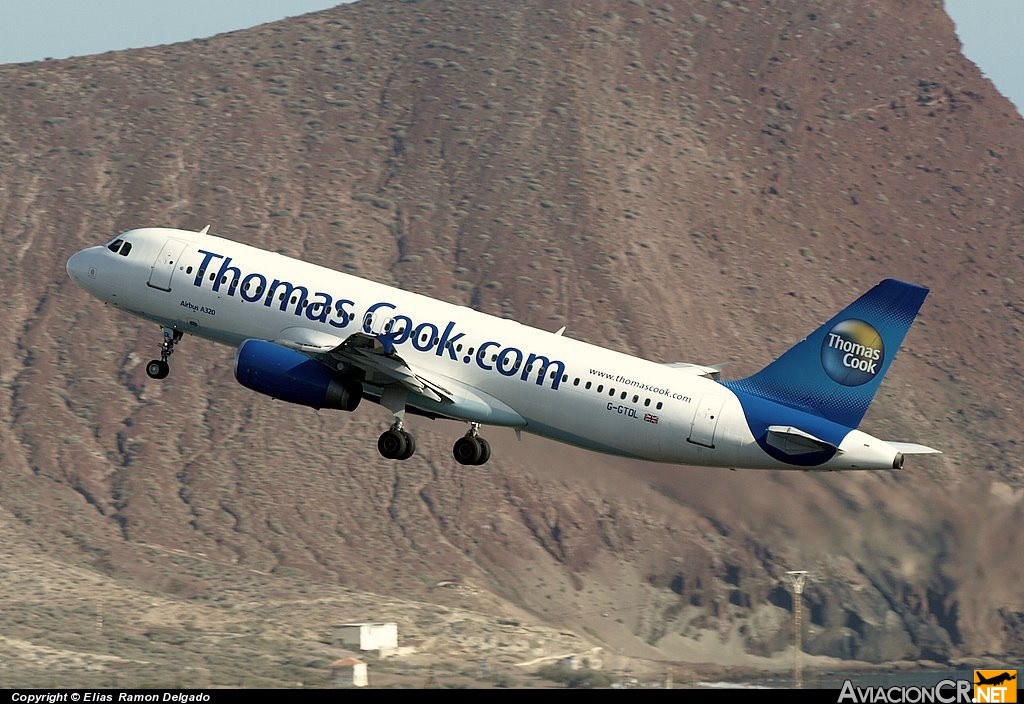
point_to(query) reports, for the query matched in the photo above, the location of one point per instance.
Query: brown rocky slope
(700, 181)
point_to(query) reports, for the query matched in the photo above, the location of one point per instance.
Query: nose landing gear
(158, 368)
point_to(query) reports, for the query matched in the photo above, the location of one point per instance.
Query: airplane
(996, 680)
(316, 337)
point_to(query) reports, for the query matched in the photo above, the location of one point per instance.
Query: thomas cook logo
(995, 685)
(852, 352)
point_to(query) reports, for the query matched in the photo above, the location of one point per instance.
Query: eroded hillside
(699, 181)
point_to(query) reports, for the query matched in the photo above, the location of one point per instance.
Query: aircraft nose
(77, 267)
(82, 265)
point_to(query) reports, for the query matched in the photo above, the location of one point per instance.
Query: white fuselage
(586, 395)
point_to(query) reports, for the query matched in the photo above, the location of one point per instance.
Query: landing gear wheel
(468, 450)
(485, 450)
(158, 369)
(410, 446)
(392, 444)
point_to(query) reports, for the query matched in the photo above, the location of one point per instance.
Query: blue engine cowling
(292, 376)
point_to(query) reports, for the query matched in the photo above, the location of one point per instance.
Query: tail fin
(835, 372)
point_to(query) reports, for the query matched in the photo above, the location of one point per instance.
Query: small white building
(370, 636)
(350, 671)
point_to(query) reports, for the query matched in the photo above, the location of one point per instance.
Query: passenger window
(600, 388)
(635, 399)
(576, 381)
(623, 396)
(588, 385)
(611, 392)
(659, 405)
(212, 276)
(565, 378)
(647, 402)
(189, 270)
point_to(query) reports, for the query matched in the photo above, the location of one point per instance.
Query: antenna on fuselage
(205, 230)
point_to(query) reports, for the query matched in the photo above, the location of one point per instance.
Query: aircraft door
(164, 265)
(705, 420)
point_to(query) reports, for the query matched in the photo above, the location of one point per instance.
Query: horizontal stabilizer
(912, 448)
(794, 441)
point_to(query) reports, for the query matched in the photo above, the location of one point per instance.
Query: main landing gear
(158, 368)
(395, 443)
(471, 448)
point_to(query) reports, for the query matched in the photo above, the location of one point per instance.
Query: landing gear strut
(395, 443)
(471, 448)
(158, 368)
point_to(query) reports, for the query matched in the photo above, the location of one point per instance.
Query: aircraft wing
(710, 371)
(373, 354)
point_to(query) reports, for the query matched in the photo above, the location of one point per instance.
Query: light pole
(797, 579)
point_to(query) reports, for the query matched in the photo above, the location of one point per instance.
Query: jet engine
(291, 376)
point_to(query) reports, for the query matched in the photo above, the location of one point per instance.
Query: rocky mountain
(693, 180)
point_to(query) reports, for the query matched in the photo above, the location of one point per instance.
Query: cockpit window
(121, 247)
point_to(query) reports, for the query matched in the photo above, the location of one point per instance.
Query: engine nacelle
(292, 376)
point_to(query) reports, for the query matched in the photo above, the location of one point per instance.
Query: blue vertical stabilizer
(835, 372)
